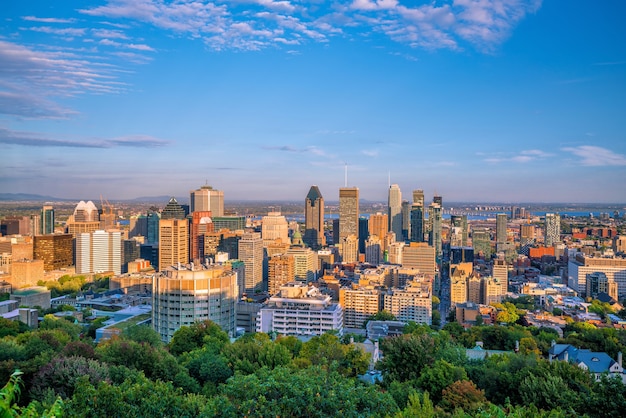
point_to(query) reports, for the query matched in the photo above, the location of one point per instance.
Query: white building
(580, 266)
(274, 226)
(206, 198)
(182, 295)
(300, 310)
(251, 253)
(99, 252)
(412, 303)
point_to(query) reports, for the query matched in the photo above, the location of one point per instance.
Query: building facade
(314, 218)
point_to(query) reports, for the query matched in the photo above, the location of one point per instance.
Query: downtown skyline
(501, 100)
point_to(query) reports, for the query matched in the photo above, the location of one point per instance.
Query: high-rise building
(274, 226)
(173, 210)
(207, 199)
(459, 231)
(500, 273)
(580, 266)
(406, 220)
(152, 224)
(420, 256)
(377, 225)
(314, 219)
(438, 199)
(251, 253)
(527, 235)
(349, 249)
(173, 242)
(99, 252)
(394, 210)
(411, 303)
(373, 250)
(417, 222)
(305, 263)
(435, 216)
(56, 250)
(481, 241)
(85, 219)
(553, 229)
(47, 220)
(185, 294)
(201, 225)
(281, 270)
(349, 217)
(501, 234)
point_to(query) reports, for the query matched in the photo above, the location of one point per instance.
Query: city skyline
(500, 101)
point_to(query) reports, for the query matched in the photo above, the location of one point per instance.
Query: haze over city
(502, 100)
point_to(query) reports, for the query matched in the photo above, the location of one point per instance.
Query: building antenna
(346, 174)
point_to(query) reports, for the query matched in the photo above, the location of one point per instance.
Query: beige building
(349, 221)
(251, 253)
(421, 256)
(359, 304)
(411, 303)
(305, 263)
(281, 270)
(183, 295)
(173, 242)
(25, 273)
(377, 225)
(274, 226)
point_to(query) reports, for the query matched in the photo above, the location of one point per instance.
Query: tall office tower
(201, 225)
(84, 219)
(417, 222)
(438, 199)
(481, 241)
(251, 253)
(35, 224)
(314, 218)
(173, 242)
(281, 270)
(152, 225)
(56, 251)
(349, 216)
(305, 263)
(527, 235)
(418, 197)
(183, 295)
(349, 249)
(373, 250)
(474, 284)
(459, 231)
(274, 226)
(99, 252)
(207, 199)
(434, 215)
(421, 256)
(514, 212)
(500, 273)
(364, 233)
(377, 225)
(173, 210)
(461, 255)
(138, 226)
(553, 229)
(131, 251)
(412, 303)
(501, 235)
(406, 220)
(47, 220)
(459, 275)
(394, 210)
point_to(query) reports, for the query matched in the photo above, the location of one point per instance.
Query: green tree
(199, 334)
(462, 395)
(62, 374)
(438, 377)
(419, 406)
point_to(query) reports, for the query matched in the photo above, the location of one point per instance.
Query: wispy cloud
(31, 139)
(58, 31)
(288, 148)
(109, 33)
(525, 156)
(593, 156)
(370, 153)
(256, 24)
(47, 19)
(26, 105)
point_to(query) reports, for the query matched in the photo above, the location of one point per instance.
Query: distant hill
(16, 197)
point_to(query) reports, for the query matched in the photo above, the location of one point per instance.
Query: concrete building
(377, 225)
(501, 231)
(99, 252)
(274, 226)
(281, 270)
(580, 266)
(552, 232)
(349, 218)
(26, 273)
(46, 221)
(459, 231)
(314, 219)
(421, 256)
(32, 296)
(251, 253)
(207, 199)
(411, 303)
(305, 263)
(500, 272)
(300, 310)
(183, 295)
(173, 242)
(359, 304)
(201, 226)
(434, 219)
(373, 250)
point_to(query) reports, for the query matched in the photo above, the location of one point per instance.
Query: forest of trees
(57, 370)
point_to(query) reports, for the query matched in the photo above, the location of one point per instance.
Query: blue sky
(477, 100)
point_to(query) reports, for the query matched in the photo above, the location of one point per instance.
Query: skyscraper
(173, 242)
(378, 224)
(417, 222)
(314, 218)
(501, 235)
(394, 210)
(553, 229)
(274, 227)
(459, 231)
(434, 216)
(348, 211)
(406, 220)
(152, 225)
(173, 210)
(206, 198)
(99, 252)
(201, 225)
(47, 220)
(251, 253)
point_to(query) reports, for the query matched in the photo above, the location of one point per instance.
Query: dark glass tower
(314, 218)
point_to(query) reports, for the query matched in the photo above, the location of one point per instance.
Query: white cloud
(370, 153)
(593, 156)
(58, 31)
(525, 156)
(47, 19)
